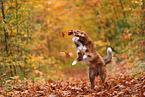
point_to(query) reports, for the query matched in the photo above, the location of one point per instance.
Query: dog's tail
(109, 56)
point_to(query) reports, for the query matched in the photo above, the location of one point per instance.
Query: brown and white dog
(87, 54)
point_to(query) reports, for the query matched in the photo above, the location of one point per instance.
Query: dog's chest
(86, 62)
(75, 39)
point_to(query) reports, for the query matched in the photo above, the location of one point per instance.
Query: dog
(87, 54)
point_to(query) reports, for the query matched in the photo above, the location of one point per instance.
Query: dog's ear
(83, 34)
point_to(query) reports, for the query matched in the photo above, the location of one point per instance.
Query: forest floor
(76, 84)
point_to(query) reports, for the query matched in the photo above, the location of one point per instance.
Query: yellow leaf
(10, 93)
(100, 43)
(15, 77)
(127, 9)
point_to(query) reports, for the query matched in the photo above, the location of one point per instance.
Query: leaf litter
(116, 85)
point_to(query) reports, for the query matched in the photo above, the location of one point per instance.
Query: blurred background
(34, 43)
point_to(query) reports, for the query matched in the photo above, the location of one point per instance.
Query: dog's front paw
(85, 56)
(74, 62)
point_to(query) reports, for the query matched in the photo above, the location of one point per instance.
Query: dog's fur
(89, 56)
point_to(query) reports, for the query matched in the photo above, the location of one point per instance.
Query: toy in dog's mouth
(71, 32)
(77, 33)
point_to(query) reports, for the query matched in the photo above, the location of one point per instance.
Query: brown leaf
(62, 34)
(67, 54)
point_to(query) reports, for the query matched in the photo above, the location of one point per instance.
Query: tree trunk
(122, 8)
(143, 18)
(17, 22)
(5, 32)
(49, 47)
(11, 70)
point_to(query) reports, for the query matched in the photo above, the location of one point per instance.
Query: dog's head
(77, 33)
(81, 34)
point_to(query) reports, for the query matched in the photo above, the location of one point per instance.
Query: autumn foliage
(35, 48)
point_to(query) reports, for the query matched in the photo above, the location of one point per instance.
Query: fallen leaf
(62, 34)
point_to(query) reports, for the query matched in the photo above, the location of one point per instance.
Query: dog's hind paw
(74, 62)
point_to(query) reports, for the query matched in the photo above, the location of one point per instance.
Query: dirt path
(76, 73)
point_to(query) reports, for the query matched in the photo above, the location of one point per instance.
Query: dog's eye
(89, 56)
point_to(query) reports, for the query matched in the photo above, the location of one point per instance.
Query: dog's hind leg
(102, 74)
(103, 77)
(91, 77)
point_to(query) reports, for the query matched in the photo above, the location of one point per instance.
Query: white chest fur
(76, 40)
